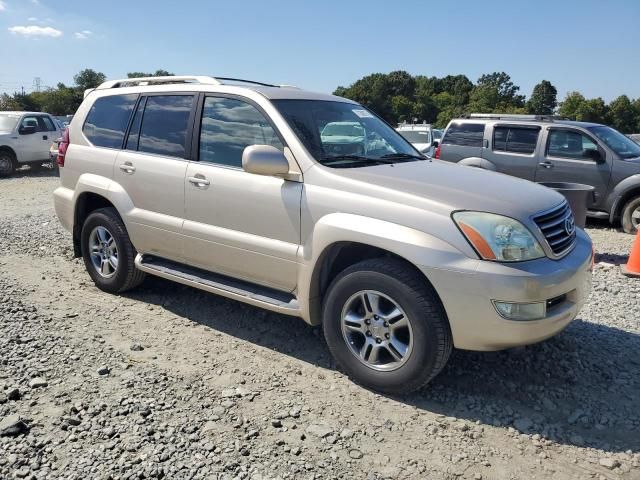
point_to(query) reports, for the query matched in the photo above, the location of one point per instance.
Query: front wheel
(7, 164)
(108, 253)
(631, 216)
(386, 327)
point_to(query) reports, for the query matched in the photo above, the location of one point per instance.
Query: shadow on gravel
(580, 388)
(30, 172)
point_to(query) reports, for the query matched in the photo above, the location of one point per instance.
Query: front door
(151, 170)
(573, 156)
(30, 144)
(237, 223)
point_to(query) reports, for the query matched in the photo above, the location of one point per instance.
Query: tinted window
(107, 120)
(230, 125)
(464, 134)
(570, 144)
(134, 131)
(48, 124)
(164, 125)
(31, 122)
(514, 139)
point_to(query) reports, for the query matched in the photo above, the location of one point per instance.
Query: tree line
(63, 99)
(399, 97)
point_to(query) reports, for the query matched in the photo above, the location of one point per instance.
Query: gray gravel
(170, 382)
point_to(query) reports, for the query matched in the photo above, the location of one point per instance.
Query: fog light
(521, 311)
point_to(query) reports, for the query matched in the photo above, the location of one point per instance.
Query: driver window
(30, 122)
(230, 125)
(570, 144)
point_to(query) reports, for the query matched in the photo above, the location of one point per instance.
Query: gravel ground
(170, 382)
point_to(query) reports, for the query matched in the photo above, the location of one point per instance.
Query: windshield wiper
(353, 160)
(402, 156)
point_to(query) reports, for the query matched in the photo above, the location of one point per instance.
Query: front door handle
(546, 164)
(199, 181)
(128, 168)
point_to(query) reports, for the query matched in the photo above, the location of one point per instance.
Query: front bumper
(468, 292)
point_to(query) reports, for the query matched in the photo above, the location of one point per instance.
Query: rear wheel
(386, 327)
(631, 215)
(7, 163)
(108, 253)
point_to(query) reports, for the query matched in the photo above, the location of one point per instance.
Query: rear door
(569, 157)
(462, 140)
(49, 133)
(151, 169)
(512, 149)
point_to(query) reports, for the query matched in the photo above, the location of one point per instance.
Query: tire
(119, 275)
(428, 341)
(631, 215)
(7, 163)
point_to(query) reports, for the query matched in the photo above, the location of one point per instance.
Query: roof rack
(513, 116)
(196, 79)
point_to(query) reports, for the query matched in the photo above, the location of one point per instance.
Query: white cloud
(3, 6)
(35, 31)
(83, 35)
(35, 2)
(32, 19)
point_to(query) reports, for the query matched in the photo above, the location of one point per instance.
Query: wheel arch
(86, 203)
(623, 192)
(478, 163)
(339, 244)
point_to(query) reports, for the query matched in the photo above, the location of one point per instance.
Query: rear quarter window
(107, 120)
(515, 139)
(464, 134)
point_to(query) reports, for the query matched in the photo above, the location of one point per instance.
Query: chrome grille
(558, 228)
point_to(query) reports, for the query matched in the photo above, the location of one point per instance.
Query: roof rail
(230, 80)
(131, 82)
(513, 116)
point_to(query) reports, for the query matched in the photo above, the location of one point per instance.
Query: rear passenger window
(108, 119)
(230, 125)
(164, 125)
(464, 134)
(515, 139)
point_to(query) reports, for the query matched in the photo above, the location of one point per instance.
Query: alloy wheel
(103, 252)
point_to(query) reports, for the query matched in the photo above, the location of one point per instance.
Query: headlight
(498, 238)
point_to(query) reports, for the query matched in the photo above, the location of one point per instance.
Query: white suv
(25, 139)
(310, 205)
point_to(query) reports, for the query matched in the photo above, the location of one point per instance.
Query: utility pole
(36, 83)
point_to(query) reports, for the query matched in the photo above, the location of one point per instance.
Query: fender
(10, 149)
(417, 247)
(615, 198)
(478, 163)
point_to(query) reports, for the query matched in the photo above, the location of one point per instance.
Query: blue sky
(590, 46)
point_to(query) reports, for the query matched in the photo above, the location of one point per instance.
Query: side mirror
(435, 144)
(595, 155)
(27, 130)
(264, 160)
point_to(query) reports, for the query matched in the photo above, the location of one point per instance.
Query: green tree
(571, 105)
(543, 100)
(158, 73)
(622, 115)
(8, 102)
(88, 78)
(506, 90)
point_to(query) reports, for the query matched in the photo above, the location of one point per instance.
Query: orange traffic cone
(632, 268)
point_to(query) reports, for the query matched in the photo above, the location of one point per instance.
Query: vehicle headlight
(499, 238)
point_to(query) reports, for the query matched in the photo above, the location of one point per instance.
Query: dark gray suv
(546, 149)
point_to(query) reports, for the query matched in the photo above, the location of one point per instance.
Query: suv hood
(448, 187)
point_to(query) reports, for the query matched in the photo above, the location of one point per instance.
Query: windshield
(622, 145)
(416, 136)
(437, 134)
(8, 121)
(345, 135)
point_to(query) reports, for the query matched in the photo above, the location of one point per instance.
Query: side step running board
(247, 292)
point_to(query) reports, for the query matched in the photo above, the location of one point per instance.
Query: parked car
(545, 149)
(635, 137)
(25, 138)
(231, 189)
(419, 135)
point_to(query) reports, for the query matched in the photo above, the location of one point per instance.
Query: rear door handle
(127, 168)
(199, 181)
(45, 137)
(546, 164)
